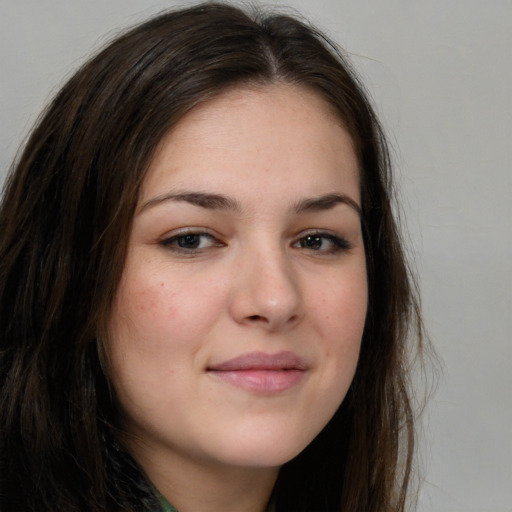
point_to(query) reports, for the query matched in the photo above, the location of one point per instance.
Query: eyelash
(175, 243)
(337, 243)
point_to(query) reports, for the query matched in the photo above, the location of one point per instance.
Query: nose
(266, 292)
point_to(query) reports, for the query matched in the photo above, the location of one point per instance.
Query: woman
(203, 298)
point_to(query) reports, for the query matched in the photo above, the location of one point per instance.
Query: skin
(208, 279)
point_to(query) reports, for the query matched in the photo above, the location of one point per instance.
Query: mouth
(262, 373)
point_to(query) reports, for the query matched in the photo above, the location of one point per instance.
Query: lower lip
(265, 382)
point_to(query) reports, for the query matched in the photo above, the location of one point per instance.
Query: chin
(257, 451)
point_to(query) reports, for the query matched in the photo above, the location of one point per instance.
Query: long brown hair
(65, 220)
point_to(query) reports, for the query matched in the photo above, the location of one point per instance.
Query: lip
(261, 372)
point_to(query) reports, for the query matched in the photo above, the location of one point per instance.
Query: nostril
(256, 317)
(264, 319)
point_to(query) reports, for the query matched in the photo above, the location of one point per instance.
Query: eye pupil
(188, 241)
(312, 242)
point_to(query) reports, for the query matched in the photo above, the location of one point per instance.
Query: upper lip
(262, 361)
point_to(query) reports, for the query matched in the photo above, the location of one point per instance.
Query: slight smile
(262, 373)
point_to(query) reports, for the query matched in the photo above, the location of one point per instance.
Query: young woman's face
(236, 328)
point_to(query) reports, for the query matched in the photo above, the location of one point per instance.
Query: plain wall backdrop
(440, 73)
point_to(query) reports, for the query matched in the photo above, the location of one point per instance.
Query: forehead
(248, 138)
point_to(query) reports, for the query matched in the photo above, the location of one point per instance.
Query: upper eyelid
(328, 233)
(202, 230)
(188, 231)
(322, 234)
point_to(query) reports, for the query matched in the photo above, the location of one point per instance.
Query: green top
(166, 506)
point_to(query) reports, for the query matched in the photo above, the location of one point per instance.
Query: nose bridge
(267, 290)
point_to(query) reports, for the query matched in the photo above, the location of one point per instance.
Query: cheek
(340, 308)
(339, 315)
(157, 313)
(157, 330)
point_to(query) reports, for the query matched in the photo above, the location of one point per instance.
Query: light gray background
(440, 72)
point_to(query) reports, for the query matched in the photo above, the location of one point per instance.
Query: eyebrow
(202, 199)
(221, 202)
(325, 202)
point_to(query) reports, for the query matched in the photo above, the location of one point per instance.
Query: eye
(190, 242)
(323, 243)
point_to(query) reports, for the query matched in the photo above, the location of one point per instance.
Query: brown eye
(311, 242)
(323, 243)
(190, 243)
